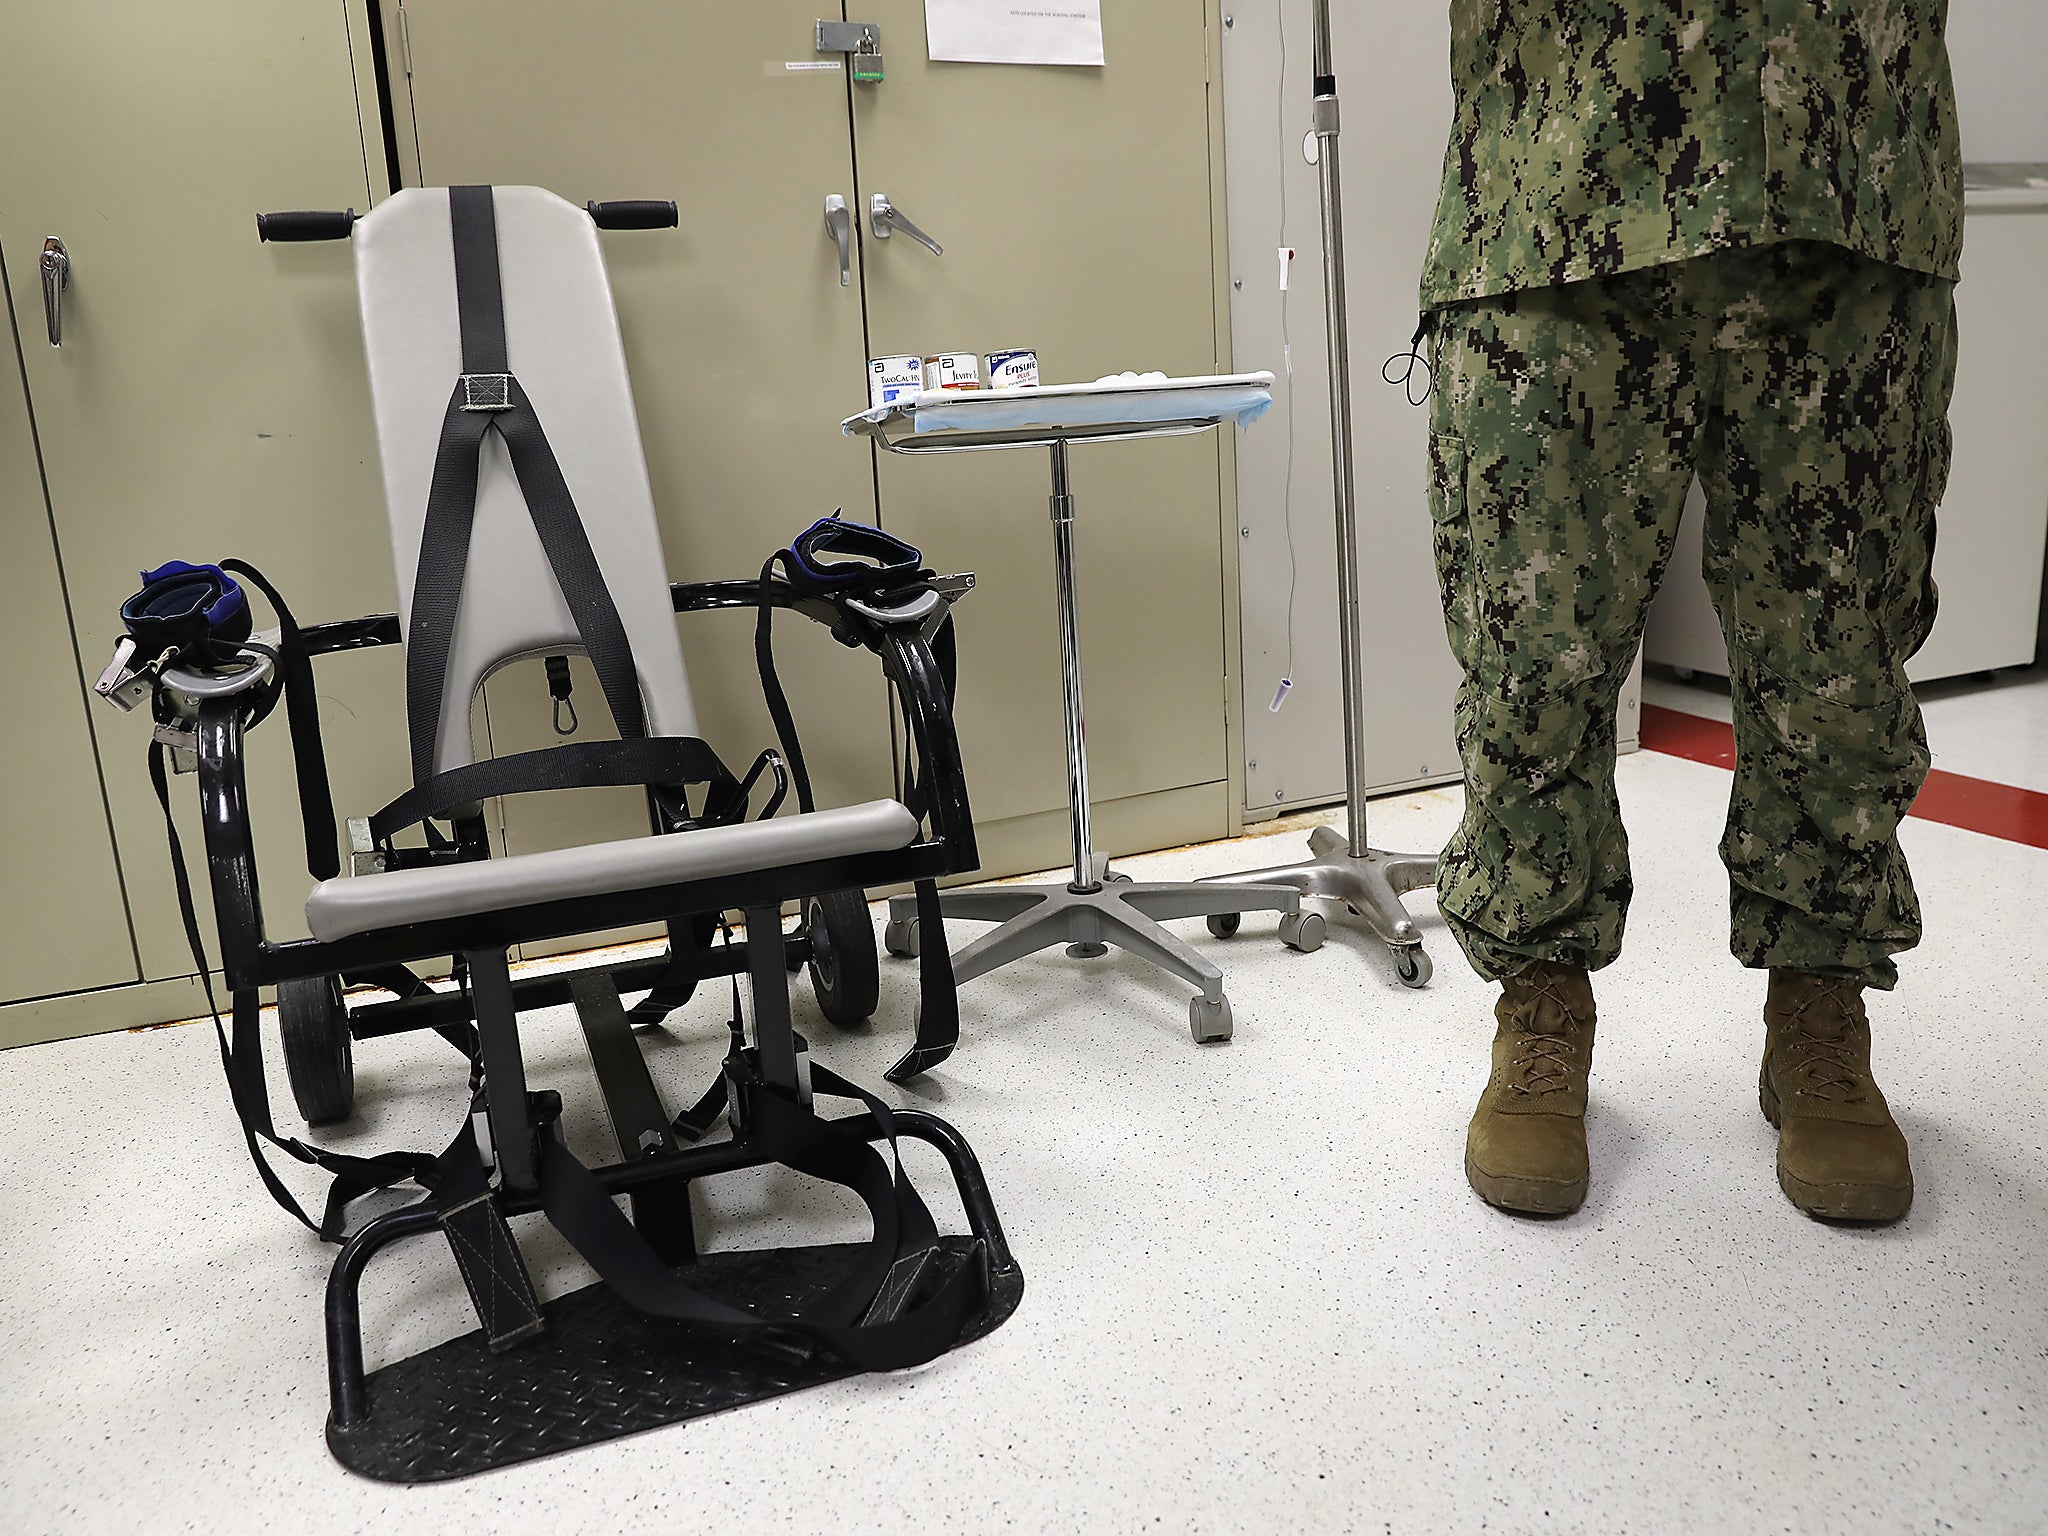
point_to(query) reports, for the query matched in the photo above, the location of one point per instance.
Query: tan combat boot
(1840, 1154)
(1526, 1148)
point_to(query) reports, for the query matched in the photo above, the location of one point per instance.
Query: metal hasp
(55, 267)
(860, 41)
(1095, 908)
(1370, 884)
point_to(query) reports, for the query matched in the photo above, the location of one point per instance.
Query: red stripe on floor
(1954, 799)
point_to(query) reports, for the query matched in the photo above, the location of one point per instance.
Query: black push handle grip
(306, 225)
(633, 213)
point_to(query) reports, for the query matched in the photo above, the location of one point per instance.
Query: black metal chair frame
(654, 1167)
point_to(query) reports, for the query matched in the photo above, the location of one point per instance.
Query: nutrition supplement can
(889, 377)
(952, 370)
(1015, 369)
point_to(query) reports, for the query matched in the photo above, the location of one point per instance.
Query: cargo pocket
(1457, 573)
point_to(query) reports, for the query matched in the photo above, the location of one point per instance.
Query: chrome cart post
(1369, 883)
(1070, 676)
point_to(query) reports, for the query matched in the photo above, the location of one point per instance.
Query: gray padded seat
(360, 903)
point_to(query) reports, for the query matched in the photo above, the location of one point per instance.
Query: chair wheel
(1304, 931)
(1411, 964)
(318, 1058)
(844, 970)
(900, 937)
(1209, 1021)
(1224, 924)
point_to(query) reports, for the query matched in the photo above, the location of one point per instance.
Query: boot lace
(1544, 1059)
(1825, 1060)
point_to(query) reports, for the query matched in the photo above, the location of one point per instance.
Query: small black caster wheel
(844, 970)
(317, 1055)
(1224, 924)
(1411, 964)
(1209, 1019)
(899, 937)
(1304, 931)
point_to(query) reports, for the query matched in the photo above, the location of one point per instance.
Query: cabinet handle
(56, 270)
(884, 219)
(839, 226)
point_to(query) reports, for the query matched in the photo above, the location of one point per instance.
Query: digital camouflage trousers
(1808, 388)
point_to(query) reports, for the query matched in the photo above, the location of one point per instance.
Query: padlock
(866, 61)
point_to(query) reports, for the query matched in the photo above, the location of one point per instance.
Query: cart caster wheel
(900, 938)
(1115, 877)
(1224, 924)
(317, 1053)
(844, 971)
(1209, 1021)
(1411, 964)
(1304, 931)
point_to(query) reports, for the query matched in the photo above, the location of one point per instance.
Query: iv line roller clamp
(1346, 867)
(1096, 907)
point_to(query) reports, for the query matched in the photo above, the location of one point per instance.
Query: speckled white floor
(1261, 1298)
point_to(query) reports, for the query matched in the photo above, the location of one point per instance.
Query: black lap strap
(659, 761)
(861, 1319)
(938, 996)
(241, 1060)
(488, 397)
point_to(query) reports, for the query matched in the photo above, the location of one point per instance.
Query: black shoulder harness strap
(488, 397)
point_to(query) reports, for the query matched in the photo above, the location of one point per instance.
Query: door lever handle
(884, 219)
(839, 226)
(56, 269)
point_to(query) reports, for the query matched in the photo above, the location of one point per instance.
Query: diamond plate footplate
(602, 1370)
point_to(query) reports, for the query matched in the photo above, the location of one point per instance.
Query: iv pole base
(1370, 885)
(1118, 912)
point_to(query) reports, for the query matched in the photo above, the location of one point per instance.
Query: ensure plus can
(952, 370)
(1012, 370)
(889, 377)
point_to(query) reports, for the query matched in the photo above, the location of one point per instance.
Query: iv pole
(1346, 867)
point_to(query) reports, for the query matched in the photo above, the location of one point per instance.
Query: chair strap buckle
(487, 391)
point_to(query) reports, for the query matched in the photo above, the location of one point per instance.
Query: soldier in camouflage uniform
(1682, 236)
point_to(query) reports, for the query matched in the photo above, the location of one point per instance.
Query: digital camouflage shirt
(1599, 136)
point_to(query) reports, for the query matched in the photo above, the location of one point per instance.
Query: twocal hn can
(889, 377)
(952, 370)
(1013, 370)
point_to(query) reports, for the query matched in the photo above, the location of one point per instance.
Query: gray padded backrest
(562, 343)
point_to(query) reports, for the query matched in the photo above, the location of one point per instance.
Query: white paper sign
(1014, 31)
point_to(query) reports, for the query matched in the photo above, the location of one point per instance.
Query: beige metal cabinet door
(744, 346)
(1074, 209)
(208, 399)
(60, 902)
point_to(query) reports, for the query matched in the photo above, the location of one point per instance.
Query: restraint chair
(523, 526)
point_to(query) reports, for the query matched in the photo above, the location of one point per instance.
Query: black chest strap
(488, 397)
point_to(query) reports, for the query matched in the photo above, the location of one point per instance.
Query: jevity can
(889, 377)
(952, 370)
(1015, 369)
